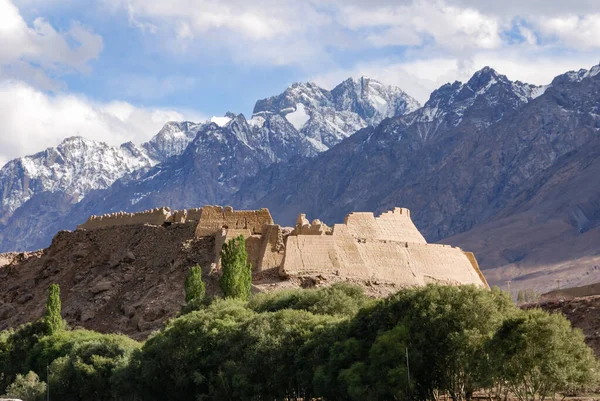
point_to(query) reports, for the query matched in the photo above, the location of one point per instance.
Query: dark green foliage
(15, 349)
(188, 356)
(329, 344)
(53, 310)
(340, 299)
(87, 371)
(537, 354)
(445, 330)
(195, 289)
(236, 281)
(27, 388)
(84, 365)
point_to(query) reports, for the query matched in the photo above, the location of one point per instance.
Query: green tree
(27, 388)
(195, 289)
(520, 297)
(190, 354)
(236, 281)
(539, 354)
(87, 371)
(340, 299)
(53, 318)
(16, 347)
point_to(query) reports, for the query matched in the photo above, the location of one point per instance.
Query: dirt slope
(126, 279)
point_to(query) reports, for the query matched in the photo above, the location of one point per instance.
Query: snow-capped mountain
(327, 117)
(216, 155)
(171, 140)
(483, 100)
(74, 167)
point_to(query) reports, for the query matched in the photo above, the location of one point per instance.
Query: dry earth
(128, 279)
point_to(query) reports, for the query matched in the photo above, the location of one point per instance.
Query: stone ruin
(387, 248)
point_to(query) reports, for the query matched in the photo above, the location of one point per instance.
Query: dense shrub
(15, 349)
(27, 388)
(536, 355)
(339, 299)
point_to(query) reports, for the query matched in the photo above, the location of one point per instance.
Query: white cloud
(448, 26)
(29, 52)
(574, 31)
(33, 120)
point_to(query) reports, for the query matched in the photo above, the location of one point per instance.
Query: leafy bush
(537, 354)
(27, 388)
(340, 299)
(87, 371)
(15, 349)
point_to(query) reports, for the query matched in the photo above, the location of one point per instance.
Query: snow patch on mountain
(299, 117)
(327, 117)
(220, 121)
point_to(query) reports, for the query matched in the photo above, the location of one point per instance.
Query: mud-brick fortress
(385, 249)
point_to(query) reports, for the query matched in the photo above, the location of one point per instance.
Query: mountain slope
(514, 164)
(327, 117)
(430, 160)
(188, 164)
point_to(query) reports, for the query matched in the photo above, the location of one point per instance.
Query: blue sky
(116, 70)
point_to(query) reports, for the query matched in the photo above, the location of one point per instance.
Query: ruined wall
(317, 227)
(194, 214)
(475, 264)
(155, 217)
(264, 251)
(272, 248)
(369, 248)
(395, 225)
(384, 248)
(214, 218)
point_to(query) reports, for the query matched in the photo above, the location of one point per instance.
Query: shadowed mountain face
(526, 168)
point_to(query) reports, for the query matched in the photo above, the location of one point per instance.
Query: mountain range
(505, 169)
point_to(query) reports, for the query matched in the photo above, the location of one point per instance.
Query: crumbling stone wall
(317, 227)
(155, 217)
(394, 225)
(272, 247)
(214, 218)
(387, 248)
(194, 214)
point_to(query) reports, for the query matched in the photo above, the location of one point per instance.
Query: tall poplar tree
(236, 281)
(53, 318)
(194, 286)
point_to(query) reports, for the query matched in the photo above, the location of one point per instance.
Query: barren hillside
(126, 279)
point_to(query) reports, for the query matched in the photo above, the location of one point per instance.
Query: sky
(117, 70)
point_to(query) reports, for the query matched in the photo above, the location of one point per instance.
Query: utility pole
(558, 284)
(508, 285)
(408, 374)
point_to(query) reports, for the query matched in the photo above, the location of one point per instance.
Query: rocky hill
(128, 279)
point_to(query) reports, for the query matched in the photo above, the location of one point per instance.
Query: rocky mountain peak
(171, 140)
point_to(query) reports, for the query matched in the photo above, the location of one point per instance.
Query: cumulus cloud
(33, 120)
(29, 52)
